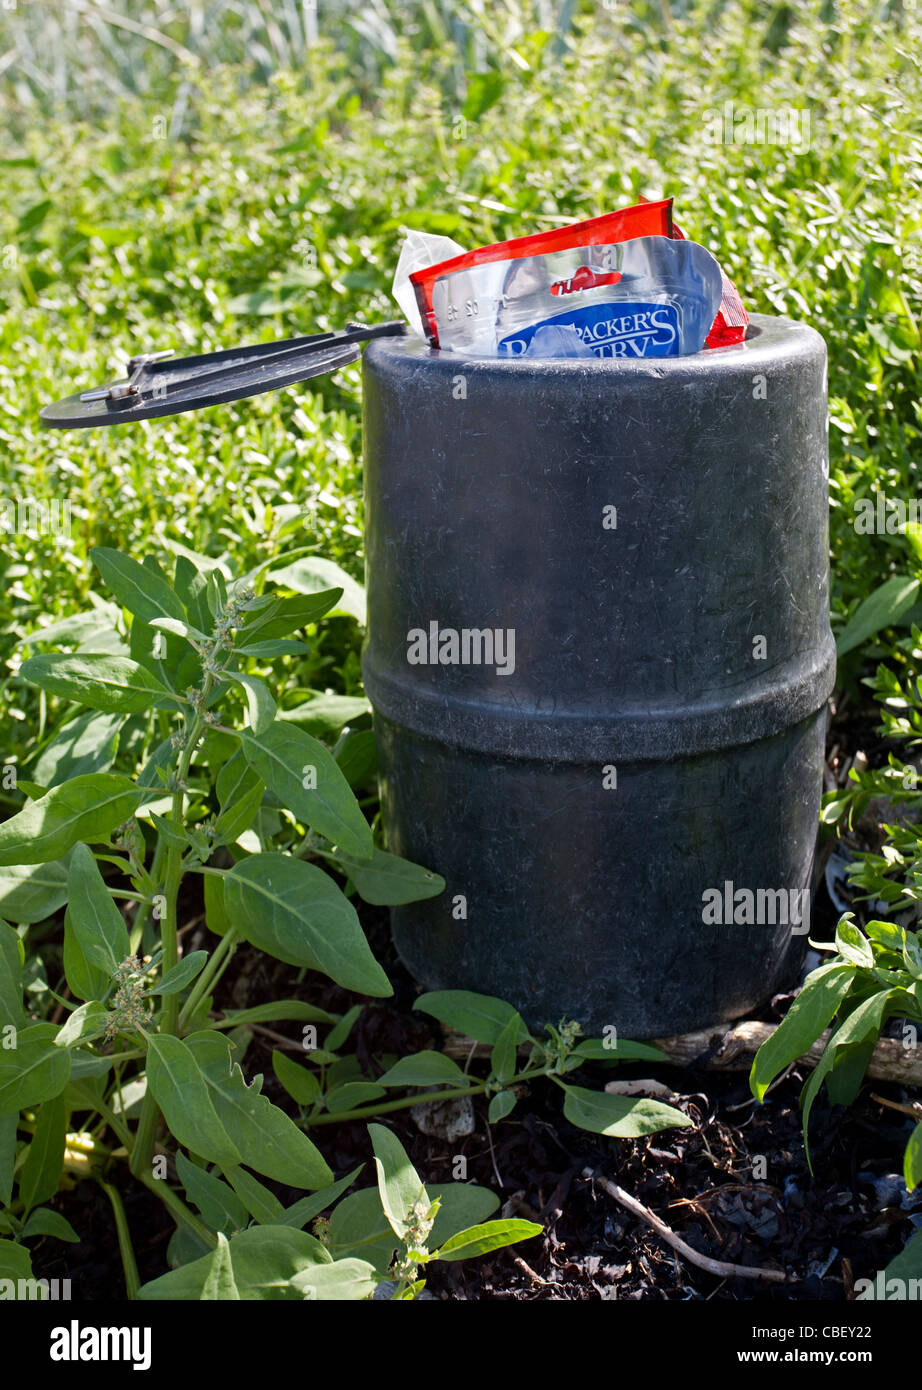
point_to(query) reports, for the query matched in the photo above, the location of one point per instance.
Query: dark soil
(735, 1187)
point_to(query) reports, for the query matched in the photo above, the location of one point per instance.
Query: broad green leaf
(189, 587)
(803, 1023)
(326, 714)
(41, 1172)
(288, 615)
(852, 944)
(264, 1258)
(358, 1225)
(220, 1206)
(912, 1159)
(503, 1056)
(342, 1281)
(235, 779)
(177, 628)
(912, 954)
(32, 892)
(478, 1016)
(352, 1094)
(307, 1208)
(85, 744)
(357, 756)
(888, 935)
(262, 1204)
(112, 683)
(295, 912)
(30, 789)
(95, 935)
(302, 1085)
(880, 609)
(847, 1072)
(280, 646)
(88, 808)
(312, 575)
(260, 704)
(863, 1023)
(181, 974)
(501, 1105)
(307, 780)
(83, 1025)
(281, 1010)
(215, 911)
(34, 1071)
(9, 1124)
(399, 1185)
(172, 835)
(388, 881)
(15, 1261)
(480, 1240)
(179, 1086)
(219, 1283)
(424, 1069)
(240, 814)
(620, 1117)
(45, 1222)
(344, 1026)
(267, 1140)
(94, 630)
(11, 963)
(139, 589)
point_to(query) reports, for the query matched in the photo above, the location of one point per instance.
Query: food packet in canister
(647, 297)
(424, 269)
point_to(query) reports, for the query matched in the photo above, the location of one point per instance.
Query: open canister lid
(159, 384)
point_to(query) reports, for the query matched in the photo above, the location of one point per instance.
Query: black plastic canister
(599, 654)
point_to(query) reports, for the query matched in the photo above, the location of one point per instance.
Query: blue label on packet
(616, 329)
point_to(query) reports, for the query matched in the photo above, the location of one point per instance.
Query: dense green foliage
(265, 209)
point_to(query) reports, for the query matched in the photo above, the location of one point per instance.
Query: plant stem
(364, 1111)
(126, 1249)
(218, 962)
(169, 943)
(177, 1208)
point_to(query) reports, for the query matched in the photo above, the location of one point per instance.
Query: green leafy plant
(377, 1236)
(226, 789)
(331, 1089)
(892, 873)
(874, 975)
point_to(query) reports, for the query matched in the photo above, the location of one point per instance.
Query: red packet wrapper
(642, 220)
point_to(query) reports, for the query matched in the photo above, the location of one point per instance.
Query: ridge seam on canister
(575, 737)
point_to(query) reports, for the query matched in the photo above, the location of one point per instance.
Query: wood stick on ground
(731, 1047)
(718, 1267)
(739, 1042)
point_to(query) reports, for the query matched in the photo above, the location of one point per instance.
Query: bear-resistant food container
(599, 654)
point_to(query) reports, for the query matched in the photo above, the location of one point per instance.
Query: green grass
(276, 209)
